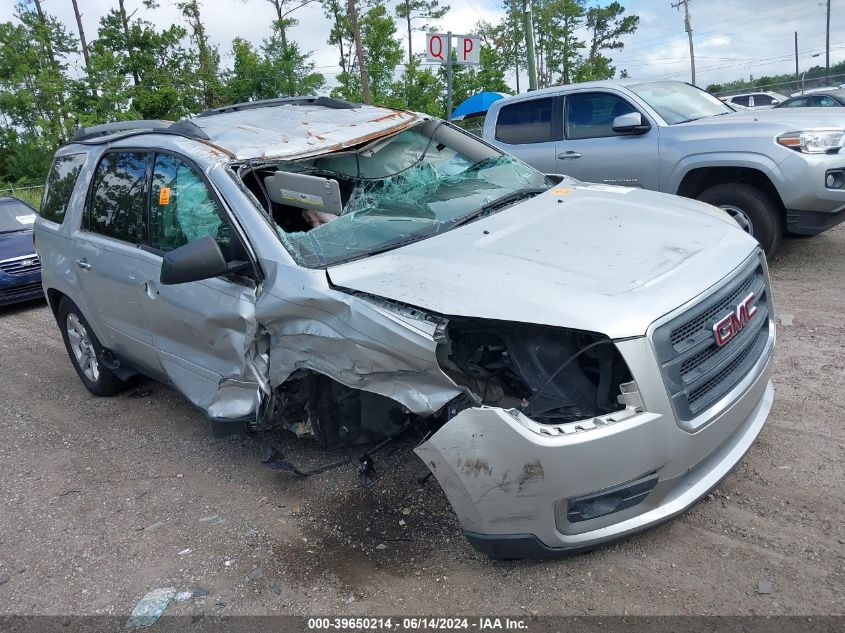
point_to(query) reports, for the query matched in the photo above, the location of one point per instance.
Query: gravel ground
(106, 499)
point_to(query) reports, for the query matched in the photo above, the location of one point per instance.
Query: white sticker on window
(26, 219)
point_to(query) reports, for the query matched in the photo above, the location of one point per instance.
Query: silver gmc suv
(772, 170)
(581, 361)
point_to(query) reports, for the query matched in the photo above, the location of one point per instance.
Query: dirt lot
(105, 499)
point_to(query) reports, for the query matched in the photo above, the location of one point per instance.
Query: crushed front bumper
(513, 488)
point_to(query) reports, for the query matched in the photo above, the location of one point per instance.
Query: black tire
(97, 378)
(761, 212)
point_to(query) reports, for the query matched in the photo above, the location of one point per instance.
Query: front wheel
(751, 208)
(85, 351)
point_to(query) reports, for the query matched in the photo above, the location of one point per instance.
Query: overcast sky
(732, 39)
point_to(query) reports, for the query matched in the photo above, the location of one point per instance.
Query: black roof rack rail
(326, 102)
(106, 129)
(182, 127)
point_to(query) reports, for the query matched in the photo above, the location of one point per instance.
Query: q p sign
(467, 48)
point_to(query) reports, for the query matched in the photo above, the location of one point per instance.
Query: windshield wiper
(506, 199)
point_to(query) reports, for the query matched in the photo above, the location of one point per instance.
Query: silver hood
(609, 260)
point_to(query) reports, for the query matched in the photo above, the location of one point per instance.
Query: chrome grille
(21, 265)
(17, 292)
(697, 371)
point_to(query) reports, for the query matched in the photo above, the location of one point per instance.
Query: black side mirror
(198, 260)
(630, 123)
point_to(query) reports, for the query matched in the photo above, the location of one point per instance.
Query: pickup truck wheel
(85, 351)
(751, 208)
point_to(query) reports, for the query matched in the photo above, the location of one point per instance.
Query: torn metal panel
(363, 344)
(298, 131)
(204, 333)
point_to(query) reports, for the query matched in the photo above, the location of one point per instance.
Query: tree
(162, 72)
(568, 16)
(607, 25)
(420, 89)
(411, 10)
(207, 71)
(340, 35)
(352, 8)
(35, 116)
(380, 53)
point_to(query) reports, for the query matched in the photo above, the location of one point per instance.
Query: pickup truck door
(592, 152)
(529, 129)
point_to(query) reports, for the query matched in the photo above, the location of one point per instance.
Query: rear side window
(182, 208)
(525, 122)
(60, 183)
(117, 205)
(743, 101)
(763, 100)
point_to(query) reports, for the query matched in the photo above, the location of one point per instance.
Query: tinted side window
(825, 102)
(743, 101)
(591, 114)
(60, 183)
(117, 206)
(797, 103)
(763, 100)
(183, 209)
(525, 122)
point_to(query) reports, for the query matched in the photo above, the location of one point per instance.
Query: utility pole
(529, 44)
(827, 47)
(796, 54)
(359, 51)
(688, 27)
(449, 76)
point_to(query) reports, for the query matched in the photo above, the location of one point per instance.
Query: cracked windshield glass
(407, 187)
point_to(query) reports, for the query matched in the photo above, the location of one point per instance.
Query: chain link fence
(31, 194)
(788, 88)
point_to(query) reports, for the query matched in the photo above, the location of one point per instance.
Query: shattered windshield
(410, 186)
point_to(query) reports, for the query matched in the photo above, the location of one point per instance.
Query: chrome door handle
(569, 155)
(83, 264)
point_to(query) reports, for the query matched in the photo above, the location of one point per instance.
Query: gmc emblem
(729, 326)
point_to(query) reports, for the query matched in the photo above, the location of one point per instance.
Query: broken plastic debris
(381, 546)
(765, 587)
(256, 574)
(786, 319)
(150, 607)
(183, 595)
(214, 518)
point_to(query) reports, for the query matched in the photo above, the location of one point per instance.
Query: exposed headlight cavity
(553, 375)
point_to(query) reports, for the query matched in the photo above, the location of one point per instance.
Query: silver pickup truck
(772, 170)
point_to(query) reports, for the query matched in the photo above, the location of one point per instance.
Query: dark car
(20, 268)
(832, 99)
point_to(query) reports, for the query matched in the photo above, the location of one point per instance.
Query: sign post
(468, 52)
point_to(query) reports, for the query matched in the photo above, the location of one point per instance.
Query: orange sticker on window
(164, 196)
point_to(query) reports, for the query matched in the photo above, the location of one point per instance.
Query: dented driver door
(202, 330)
